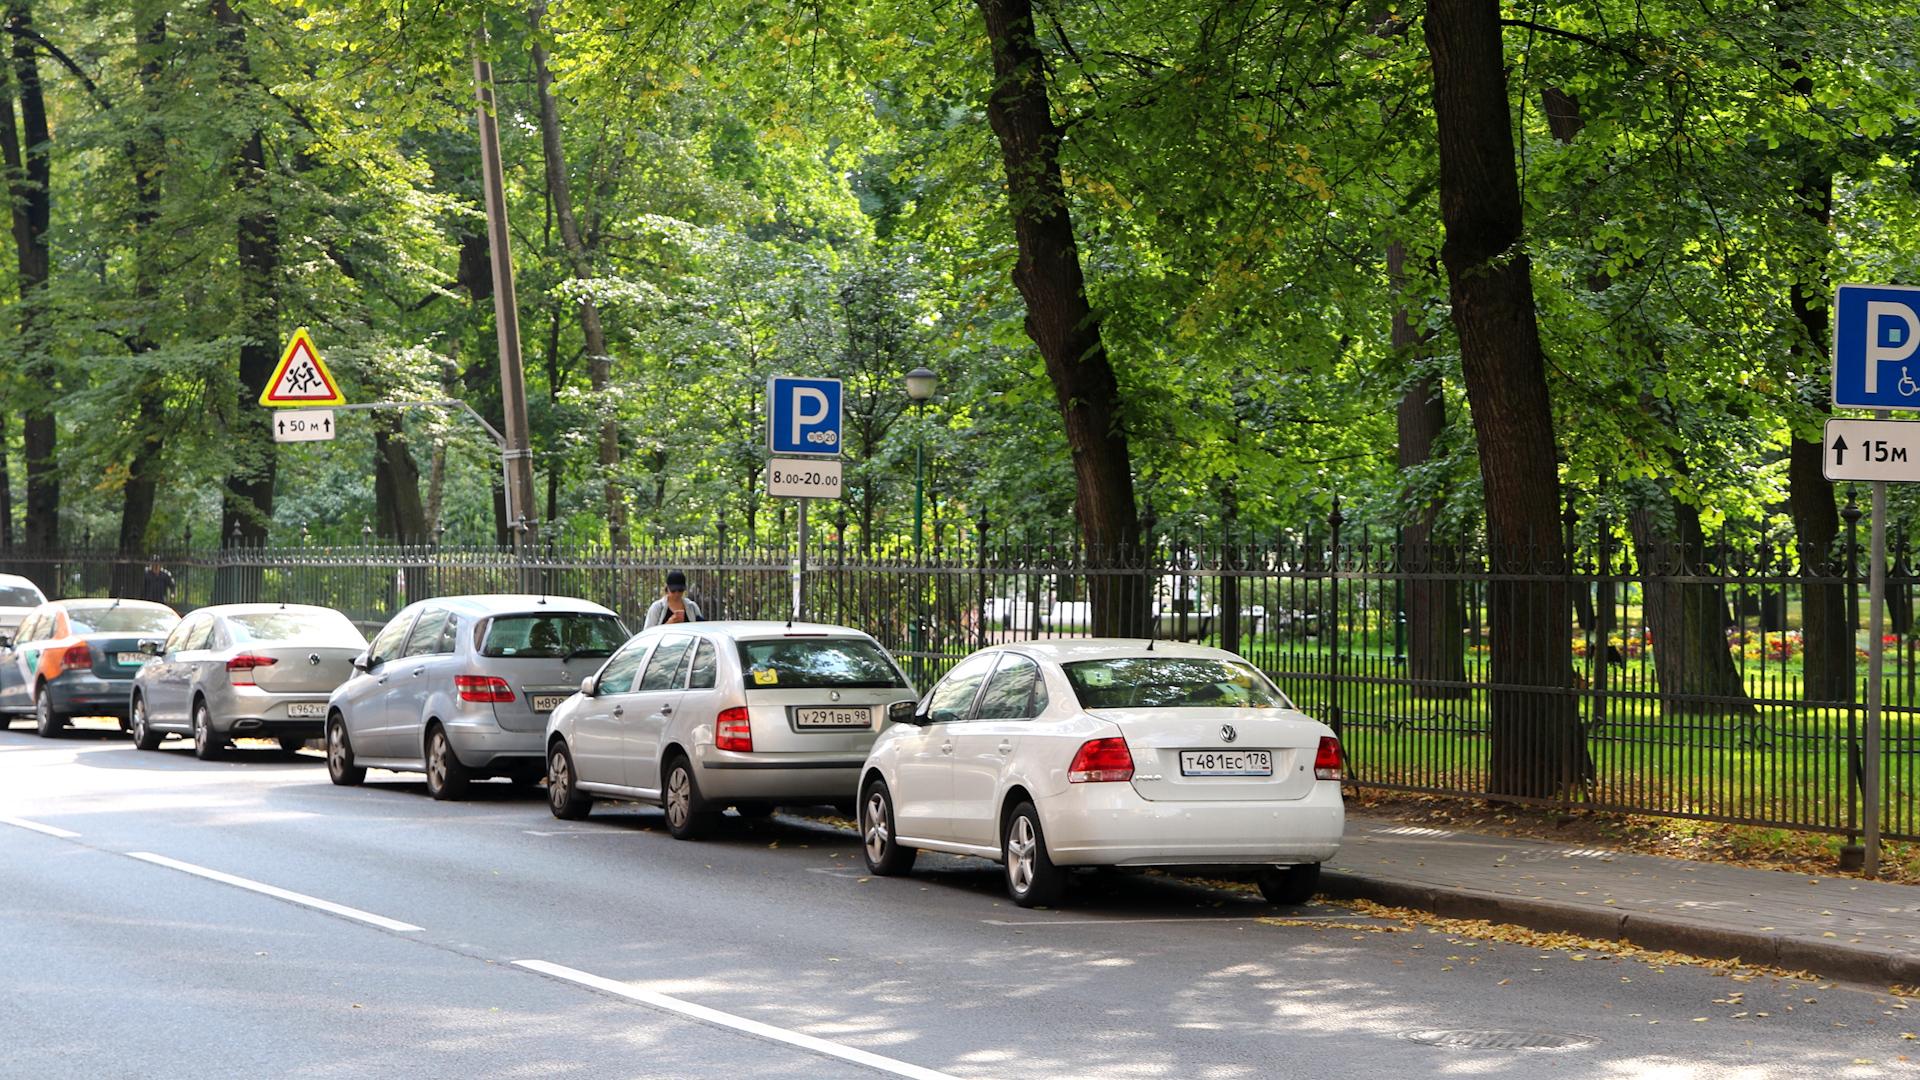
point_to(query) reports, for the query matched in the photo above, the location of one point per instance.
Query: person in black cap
(673, 605)
(157, 584)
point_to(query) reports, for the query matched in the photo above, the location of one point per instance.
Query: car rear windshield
(810, 663)
(562, 635)
(18, 596)
(120, 620)
(1170, 682)
(315, 627)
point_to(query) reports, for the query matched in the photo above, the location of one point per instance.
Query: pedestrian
(157, 585)
(673, 605)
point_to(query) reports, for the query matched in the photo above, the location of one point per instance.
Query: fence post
(1851, 513)
(980, 582)
(1332, 632)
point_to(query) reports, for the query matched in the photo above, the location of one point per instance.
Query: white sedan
(1048, 754)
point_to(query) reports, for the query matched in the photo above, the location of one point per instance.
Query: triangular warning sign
(301, 378)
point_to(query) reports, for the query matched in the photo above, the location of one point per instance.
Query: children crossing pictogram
(301, 378)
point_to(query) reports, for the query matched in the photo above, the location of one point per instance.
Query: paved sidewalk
(1839, 928)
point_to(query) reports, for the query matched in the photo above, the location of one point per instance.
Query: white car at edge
(1044, 755)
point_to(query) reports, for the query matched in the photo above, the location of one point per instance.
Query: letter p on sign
(1876, 336)
(803, 416)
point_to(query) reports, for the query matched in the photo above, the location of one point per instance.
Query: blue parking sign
(803, 416)
(1876, 347)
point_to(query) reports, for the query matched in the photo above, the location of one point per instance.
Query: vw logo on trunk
(313, 658)
(1227, 734)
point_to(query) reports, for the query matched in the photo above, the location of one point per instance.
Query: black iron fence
(1723, 684)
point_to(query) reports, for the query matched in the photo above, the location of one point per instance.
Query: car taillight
(76, 656)
(240, 668)
(1326, 760)
(733, 731)
(483, 688)
(1101, 761)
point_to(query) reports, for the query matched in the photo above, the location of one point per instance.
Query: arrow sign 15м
(303, 425)
(1872, 450)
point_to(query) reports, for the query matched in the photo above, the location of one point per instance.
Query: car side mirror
(906, 712)
(589, 684)
(360, 662)
(150, 646)
(6, 642)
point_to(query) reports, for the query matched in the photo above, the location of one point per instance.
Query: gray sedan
(242, 671)
(459, 687)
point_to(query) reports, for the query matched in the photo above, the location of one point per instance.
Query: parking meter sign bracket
(1876, 347)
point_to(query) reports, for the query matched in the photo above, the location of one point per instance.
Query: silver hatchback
(242, 671)
(459, 688)
(698, 717)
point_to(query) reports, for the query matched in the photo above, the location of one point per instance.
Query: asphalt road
(141, 934)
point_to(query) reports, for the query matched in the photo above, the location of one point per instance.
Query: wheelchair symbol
(1908, 387)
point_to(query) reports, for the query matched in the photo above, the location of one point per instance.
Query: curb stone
(1870, 964)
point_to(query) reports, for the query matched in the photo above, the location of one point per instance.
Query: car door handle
(419, 671)
(946, 748)
(1006, 748)
(619, 710)
(381, 681)
(666, 710)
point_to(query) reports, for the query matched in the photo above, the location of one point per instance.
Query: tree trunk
(1436, 651)
(1537, 748)
(1687, 620)
(1060, 321)
(599, 363)
(6, 490)
(145, 153)
(30, 173)
(1825, 630)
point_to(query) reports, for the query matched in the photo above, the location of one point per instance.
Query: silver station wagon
(242, 671)
(698, 717)
(459, 688)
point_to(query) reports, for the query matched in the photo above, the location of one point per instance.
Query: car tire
(447, 778)
(564, 796)
(208, 744)
(1289, 886)
(340, 767)
(292, 744)
(144, 737)
(45, 720)
(878, 844)
(1032, 879)
(687, 815)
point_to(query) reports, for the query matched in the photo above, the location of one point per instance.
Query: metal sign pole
(800, 577)
(1876, 673)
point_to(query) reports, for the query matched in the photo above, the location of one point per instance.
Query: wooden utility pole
(506, 312)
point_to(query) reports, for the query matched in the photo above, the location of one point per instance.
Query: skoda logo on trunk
(833, 695)
(1227, 734)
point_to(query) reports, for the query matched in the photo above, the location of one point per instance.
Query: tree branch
(54, 51)
(1574, 35)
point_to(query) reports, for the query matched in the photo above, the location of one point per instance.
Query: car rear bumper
(81, 693)
(1111, 825)
(811, 777)
(248, 711)
(482, 744)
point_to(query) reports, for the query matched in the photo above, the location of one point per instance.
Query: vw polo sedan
(1044, 755)
(460, 687)
(243, 671)
(698, 717)
(76, 658)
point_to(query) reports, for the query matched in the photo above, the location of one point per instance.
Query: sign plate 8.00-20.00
(803, 478)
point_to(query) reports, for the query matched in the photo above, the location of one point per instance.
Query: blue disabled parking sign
(803, 416)
(1876, 347)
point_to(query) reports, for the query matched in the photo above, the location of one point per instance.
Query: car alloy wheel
(687, 818)
(1032, 879)
(880, 846)
(446, 777)
(563, 798)
(206, 744)
(45, 720)
(340, 767)
(143, 737)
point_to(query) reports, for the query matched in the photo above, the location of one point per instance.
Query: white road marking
(737, 1023)
(276, 892)
(50, 830)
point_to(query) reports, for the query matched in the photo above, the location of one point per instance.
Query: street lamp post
(921, 383)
